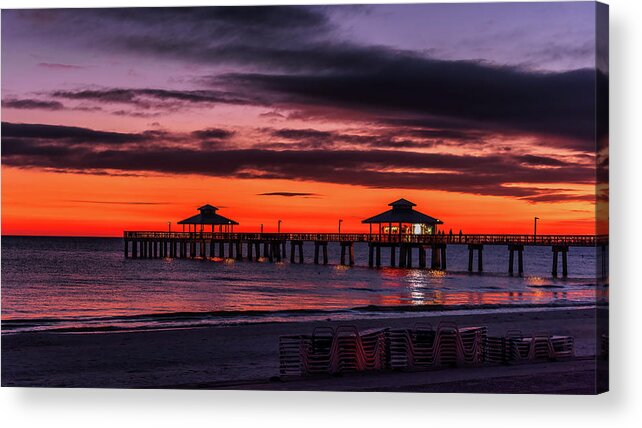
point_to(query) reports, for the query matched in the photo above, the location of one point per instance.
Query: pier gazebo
(402, 219)
(208, 216)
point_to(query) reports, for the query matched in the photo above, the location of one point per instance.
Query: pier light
(340, 221)
(535, 226)
(169, 226)
(278, 227)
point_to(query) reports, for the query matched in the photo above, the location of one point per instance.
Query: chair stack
(446, 345)
(346, 349)
(424, 347)
(329, 351)
(318, 356)
(537, 347)
(495, 351)
(374, 349)
(401, 354)
(472, 345)
(346, 353)
(562, 347)
(291, 351)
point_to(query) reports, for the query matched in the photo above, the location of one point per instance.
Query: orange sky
(47, 203)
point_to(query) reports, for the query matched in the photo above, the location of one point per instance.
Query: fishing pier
(399, 232)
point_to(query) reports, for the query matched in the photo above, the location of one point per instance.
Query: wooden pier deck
(151, 244)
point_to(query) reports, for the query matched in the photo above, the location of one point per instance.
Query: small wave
(545, 286)
(179, 320)
(444, 308)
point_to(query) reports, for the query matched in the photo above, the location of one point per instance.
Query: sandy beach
(246, 357)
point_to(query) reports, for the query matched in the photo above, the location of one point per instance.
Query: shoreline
(246, 356)
(189, 320)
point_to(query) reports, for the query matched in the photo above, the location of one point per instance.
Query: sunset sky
(125, 119)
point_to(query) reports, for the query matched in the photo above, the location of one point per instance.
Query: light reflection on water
(87, 279)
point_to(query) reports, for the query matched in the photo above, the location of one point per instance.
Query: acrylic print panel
(345, 198)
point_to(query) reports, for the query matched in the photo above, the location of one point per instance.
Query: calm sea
(86, 284)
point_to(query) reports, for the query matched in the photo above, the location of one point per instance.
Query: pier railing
(471, 239)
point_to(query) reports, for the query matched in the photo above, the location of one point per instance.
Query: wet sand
(246, 357)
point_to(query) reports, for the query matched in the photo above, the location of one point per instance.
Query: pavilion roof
(402, 212)
(207, 219)
(207, 216)
(402, 203)
(208, 207)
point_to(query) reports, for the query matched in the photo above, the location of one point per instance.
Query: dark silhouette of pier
(273, 246)
(401, 230)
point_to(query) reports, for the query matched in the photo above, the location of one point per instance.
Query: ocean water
(86, 284)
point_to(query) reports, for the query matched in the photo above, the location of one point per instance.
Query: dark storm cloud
(305, 65)
(312, 138)
(448, 134)
(75, 149)
(151, 98)
(186, 22)
(56, 66)
(288, 194)
(303, 134)
(33, 133)
(213, 133)
(561, 104)
(30, 104)
(541, 160)
(262, 19)
(205, 35)
(555, 198)
(118, 202)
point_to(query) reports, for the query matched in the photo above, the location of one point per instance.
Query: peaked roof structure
(402, 212)
(207, 216)
(402, 203)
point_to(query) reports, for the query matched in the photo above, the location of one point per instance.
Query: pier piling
(316, 253)
(435, 257)
(480, 261)
(347, 247)
(422, 257)
(154, 245)
(556, 250)
(294, 245)
(511, 259)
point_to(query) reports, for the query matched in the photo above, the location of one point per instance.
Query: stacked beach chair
(346, 349)
(318, 355)
(329, 351)
(423, 347)
(515, 347)
(472, 344)
(291, 351)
